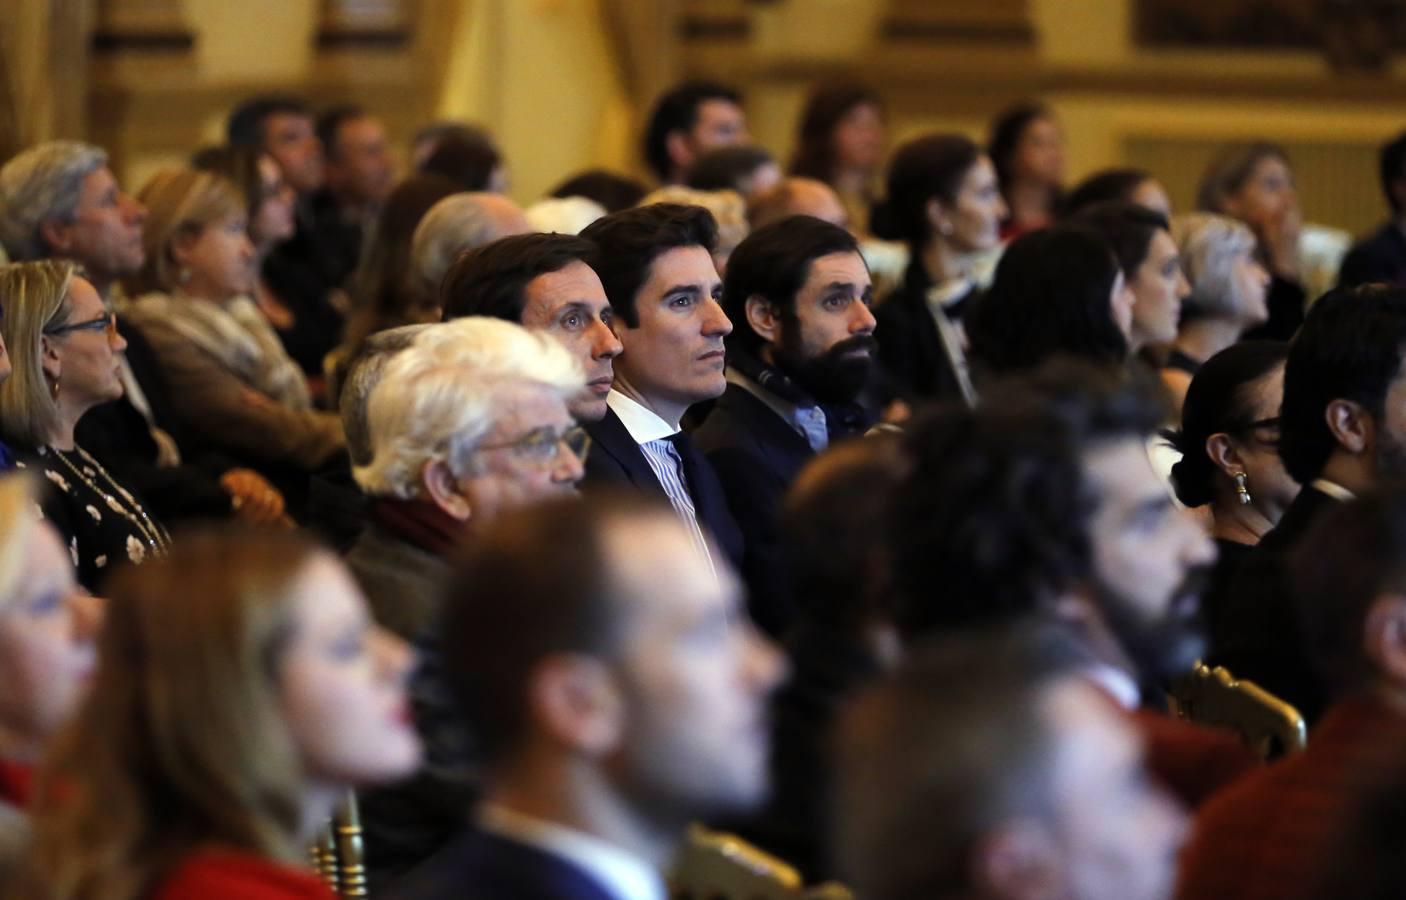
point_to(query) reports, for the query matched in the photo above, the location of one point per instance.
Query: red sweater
(16, 783)
(231, 875)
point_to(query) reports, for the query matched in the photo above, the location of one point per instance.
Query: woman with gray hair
(1227, 297)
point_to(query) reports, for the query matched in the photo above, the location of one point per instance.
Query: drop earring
(1242, 490)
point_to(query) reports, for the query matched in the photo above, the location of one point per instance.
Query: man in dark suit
(656, 265)
(1272, 834)
(542, 282)
(1381, 257)
(801, 352)
(1042, 501)
(1342, 429)
(617, 692)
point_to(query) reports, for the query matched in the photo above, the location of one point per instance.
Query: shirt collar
(1332, 489)
(941, 296)
(622, 874)
(1116, 683)
(789, 412)
(643, 423)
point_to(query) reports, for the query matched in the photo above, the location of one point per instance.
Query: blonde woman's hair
(727, 206)
(17, 524)
(181, 744)
(35, 296)
(439, 398)
(178, 201)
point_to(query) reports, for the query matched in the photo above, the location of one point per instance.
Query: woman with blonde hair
(231, 381)
(47, 627)
(220, 734)
(65, 349)
(729, 211)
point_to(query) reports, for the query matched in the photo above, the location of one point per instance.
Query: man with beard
(798, 359)
(1342, 430)
(1042, 502)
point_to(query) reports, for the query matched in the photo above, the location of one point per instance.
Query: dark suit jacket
(1258, 636)
(484, 866)
(1268, 836)
(756, 455)
(1378, 258)
(911, 353)
(615, 459)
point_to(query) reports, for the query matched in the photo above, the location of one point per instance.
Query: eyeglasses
(541, 445)
(106, 322)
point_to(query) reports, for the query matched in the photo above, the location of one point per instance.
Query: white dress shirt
(619, 872)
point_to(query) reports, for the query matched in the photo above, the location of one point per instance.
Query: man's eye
(572, 321)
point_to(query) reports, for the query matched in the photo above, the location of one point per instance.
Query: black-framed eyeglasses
(541, 445)
(106, 322)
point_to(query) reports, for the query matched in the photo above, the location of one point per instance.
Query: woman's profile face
(219, 259)
(1039, 154)
(974, 222)
(48, 629)
(343, 684)
(273, 220)
(85, 360)
(1270, 486)
(1251, 287)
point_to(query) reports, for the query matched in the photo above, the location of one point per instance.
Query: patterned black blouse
(101, 520)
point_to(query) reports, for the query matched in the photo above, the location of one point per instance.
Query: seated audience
(233, 386)
(988, 767)
(611, 190)
(1043, 501)
(840, 141)
(65, 348)
(1381, 256)
(384, 290)
(63, 197)
(306, 273)
(748, 170)
(455, 224)
(47, 630)
(799, 356)
(465, 425)
(794, 196)
(656, 265)
(470, 163)
(1027, 149)
(842, 636)
(1124, 185)
(727, 207)
(1142, 241)
(1339, 434)
(1227, 294)
(543, 282)
(1271, 835)
(687, 122)
(1229, 446)
(619, 694)
(1254, 184)
(943, 202)
(1057, 291)
(219, 735)
(470, 418)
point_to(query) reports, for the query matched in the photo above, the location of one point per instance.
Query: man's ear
(57, 235)
(575, 702)
(764, 318)
(1017, 860)
(1384, 636)
(1223, 453)
(443, 487)
(680, 151)
(1351, 426)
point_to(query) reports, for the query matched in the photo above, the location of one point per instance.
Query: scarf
(419, 522)
(237, 335)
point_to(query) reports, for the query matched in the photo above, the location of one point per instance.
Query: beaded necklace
(154, 535)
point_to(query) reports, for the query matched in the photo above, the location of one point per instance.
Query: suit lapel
(623, 458)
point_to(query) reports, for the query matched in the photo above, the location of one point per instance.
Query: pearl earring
(1242, 490)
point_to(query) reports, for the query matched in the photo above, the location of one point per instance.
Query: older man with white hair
(469, 421)
(457, 223)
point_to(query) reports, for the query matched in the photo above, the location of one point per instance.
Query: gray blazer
(401, 581)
